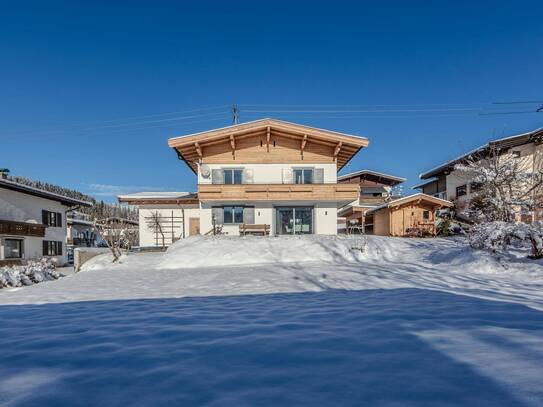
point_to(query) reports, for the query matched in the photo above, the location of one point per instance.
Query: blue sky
(88, 88)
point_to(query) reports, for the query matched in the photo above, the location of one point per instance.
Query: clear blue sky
(70, 71)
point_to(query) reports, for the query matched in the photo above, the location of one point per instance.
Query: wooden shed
(412, 215)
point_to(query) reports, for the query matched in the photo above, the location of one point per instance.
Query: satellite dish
(205, 170)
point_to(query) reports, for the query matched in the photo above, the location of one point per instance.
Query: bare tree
(118, 234)
(154, 223)
(507, 189)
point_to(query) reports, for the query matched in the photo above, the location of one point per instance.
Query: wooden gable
(267, 141)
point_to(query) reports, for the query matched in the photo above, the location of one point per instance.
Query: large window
(51, 218)
(13, 248)
(232, 214)
(233, 176)
(52, 248)
(303, 175)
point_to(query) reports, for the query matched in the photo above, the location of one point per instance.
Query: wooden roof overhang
(344, 147)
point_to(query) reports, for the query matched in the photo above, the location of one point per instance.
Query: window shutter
(318, 176)
(217, 177)
(44, 218)
(249, 215)
(44, 247)
(59, 219)
(218, 215)
(287, 176)
(248, 176)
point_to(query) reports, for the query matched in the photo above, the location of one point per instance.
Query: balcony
(8, 227)
(278, 192)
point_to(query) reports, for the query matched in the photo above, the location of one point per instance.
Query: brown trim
(12, 228)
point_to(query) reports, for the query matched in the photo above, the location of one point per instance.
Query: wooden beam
(302, 147)
(337, 150)
(198, 149)
(233, 145)
(268, 130)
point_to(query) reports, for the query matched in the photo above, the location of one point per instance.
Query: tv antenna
(235, 114)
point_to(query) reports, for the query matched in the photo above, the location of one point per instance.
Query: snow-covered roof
(506, 142)
(26, 189)
(428, 181)
(409, 198)
(376, 173)
(156, 196)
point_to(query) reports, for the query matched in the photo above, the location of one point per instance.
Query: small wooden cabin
(413, 215)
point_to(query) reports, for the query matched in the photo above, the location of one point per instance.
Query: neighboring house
(174, 215)
(80, 232)
(33, 223)
(413, 215)
(445, 182)
(269, 173)
(375, 189)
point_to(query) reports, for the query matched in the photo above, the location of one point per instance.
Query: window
(232, 214)
(233, 176)
(461, 190)
(426, 215)
(13, 248)
(303, 176)
(51, 218)
(52, 248)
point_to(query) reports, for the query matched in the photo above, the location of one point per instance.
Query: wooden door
(194, 225)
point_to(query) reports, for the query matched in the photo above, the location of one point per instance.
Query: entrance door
(194, 226)
(294, 220)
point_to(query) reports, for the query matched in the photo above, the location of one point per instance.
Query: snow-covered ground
(281, 321)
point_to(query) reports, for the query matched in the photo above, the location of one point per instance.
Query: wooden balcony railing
(278, 192)
(8, 227)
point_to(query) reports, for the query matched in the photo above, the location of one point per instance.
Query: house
(80, 231)
(277, 176)
(33, 223)
(445, 182)
(412, 215)
(165, 217)
(376, 188)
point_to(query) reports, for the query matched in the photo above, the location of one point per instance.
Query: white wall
(272, 173)
(324, 216)
(20, 207)
(147, 235)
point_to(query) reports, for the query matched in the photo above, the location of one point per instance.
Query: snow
(154, 194)
(31, 273)
(309, 320)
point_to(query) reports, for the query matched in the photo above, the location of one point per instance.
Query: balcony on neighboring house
(12, 228)
(278, 192)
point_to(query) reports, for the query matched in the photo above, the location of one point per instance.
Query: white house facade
(33, 223)
(279, 176)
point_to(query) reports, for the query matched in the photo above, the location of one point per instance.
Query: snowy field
(281, 321)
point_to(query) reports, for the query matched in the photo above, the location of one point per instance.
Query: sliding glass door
(294, 220)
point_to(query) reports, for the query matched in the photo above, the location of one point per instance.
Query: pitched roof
(414, 197)
(25, 189)
(500, 144)
(188, 146)
(396, 180)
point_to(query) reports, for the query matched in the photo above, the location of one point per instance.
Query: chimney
(4, 173)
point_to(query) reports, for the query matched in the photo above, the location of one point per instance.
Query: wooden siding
(267, 141)
(381, 223)
(278, 192)
(21, 229)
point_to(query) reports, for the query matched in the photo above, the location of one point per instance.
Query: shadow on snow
(385, 347)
